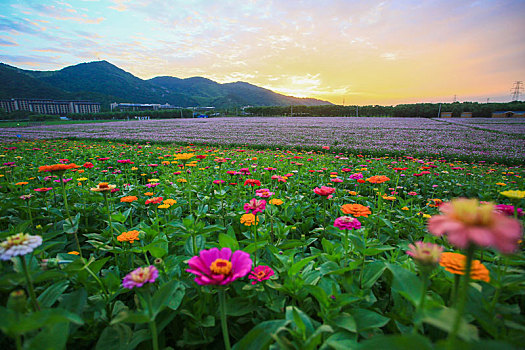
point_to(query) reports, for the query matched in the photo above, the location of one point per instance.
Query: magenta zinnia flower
(255, 206)
(508, 210)
(347, 223)
(260, 273)
(139, 277)
(219, 267)
(425, 253)
(466, 221)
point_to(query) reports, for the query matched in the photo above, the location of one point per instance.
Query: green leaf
(406, 283)
(114, 337)
(372, 272)
(444, 317)
(46, 317)
(366, 319)
(71, 226)
(296, 267)
(130, 317)
(300, 320)
(52, 337)
(158, 248)
(118, 217)
(260, 336)
(52, 293)
(396, 342)
(226, 241)
(164, 294)
(239, 306)
(346, 321)
(376, 250)
(188, 246)
(341, 341)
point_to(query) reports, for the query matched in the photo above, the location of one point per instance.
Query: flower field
(500, 140)
(107, 244)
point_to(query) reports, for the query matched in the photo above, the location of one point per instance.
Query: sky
(343, 51)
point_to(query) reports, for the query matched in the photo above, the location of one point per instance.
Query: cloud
(6, 41)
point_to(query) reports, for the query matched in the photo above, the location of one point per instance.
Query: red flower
(88, 165)
(252, 182)
(154, 200)
(324, 191)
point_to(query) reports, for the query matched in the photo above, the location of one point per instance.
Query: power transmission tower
(517, 90)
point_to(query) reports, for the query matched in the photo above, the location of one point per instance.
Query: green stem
(460, 309)
(152, 324)
(18, 342)
(255, 240)
(224, 323)
(421, 305)
(30, 215)
(32, 294)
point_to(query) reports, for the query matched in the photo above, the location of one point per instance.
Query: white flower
(19, 244)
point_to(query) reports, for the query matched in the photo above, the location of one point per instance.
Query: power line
(517, 90)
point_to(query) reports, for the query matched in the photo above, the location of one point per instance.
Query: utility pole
(516, 90)
(455, 98)
(439, 111)
(357, 111)
(291, 110)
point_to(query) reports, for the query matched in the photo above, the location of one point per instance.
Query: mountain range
(104, 82)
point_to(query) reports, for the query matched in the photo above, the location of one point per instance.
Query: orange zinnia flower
(455, 263)
(128, 199)
(58, 167)
(378, 179)
(130, 236)
(356, 210)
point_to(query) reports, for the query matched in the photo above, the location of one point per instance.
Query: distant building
(140, 106)
(466, 114)
(508, 114)
(44, 106)
(446, 114)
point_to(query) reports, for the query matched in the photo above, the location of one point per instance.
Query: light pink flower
(139, 277)
(466, 222)
(425, 253)
(264, 193)
(219, 267)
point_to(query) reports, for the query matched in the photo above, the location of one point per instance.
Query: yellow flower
(148, 194)
(164, 206)
(73, 252)
(82, 179)
(276, 201)
(153, 180)
(405, 208)
(514, 194)
(103, 187)
(134, 168)
(182, 180)
(501, 184)
(184, 156)
(21, 183)
(170, 201)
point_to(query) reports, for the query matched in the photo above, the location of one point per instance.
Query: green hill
(104, 82)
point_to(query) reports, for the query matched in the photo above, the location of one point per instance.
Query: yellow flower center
(221, 267)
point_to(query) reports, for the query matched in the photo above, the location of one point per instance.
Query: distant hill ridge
(104, 82)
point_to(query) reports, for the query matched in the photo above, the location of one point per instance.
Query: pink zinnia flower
(255, 206)
(347, 223)
(324, 191)
(218, 182)
(466, 222)
(425, 253)
(336, 179)
(219, 267)
(260, 273)
(264, 193)
(139, 277)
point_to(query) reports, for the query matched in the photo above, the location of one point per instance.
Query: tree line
(422, 110)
